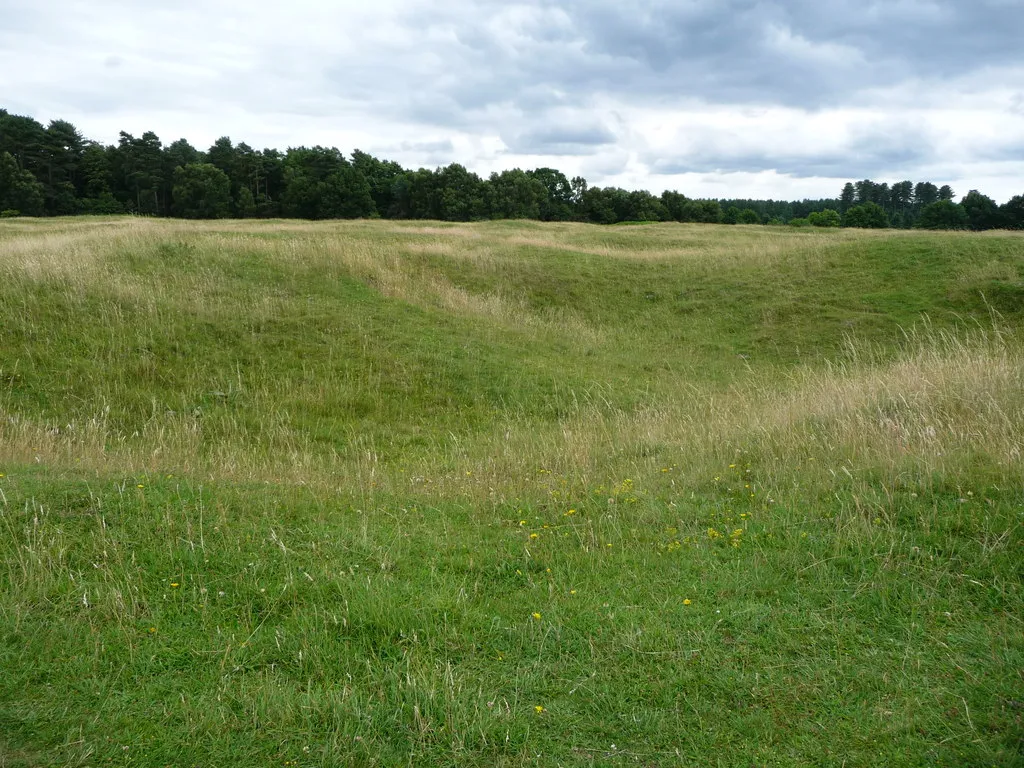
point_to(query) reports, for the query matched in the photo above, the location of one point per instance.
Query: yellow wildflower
(536, 616)
(687, 601)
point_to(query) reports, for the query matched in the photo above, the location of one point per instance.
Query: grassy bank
(512, 493)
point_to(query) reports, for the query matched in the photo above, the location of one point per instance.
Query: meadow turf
(509, 493)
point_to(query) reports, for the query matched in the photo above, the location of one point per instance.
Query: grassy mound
(509, 493)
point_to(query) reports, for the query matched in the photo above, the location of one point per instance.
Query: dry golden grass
(921, 418)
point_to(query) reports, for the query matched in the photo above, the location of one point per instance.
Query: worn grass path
(384, 493)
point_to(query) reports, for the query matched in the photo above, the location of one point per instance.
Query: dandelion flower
(572, 591)
(175, 585)
(534, 535)
(687, 601)
(538, 709)
(536, 616)
(140, 485)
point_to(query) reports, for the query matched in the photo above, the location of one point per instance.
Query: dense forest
(54, 171)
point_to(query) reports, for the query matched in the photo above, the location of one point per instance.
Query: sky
(779, 99)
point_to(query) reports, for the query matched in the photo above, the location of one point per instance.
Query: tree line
(53, 170)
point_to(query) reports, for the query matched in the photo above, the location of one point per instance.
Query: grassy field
(511, 493)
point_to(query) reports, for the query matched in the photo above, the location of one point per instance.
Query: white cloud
(840, 57)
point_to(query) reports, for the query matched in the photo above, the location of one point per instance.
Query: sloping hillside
(508, 493)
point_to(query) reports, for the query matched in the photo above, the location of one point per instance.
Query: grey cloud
(867, 156)
(1012, 151)
(559, 140)
(796, 52)
(547, 54)
(803, 51)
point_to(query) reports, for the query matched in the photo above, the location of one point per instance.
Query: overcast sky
(715, 98)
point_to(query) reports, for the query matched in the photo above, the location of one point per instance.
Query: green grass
(373, 493)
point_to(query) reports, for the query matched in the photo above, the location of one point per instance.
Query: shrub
(825, 218)
(867, 216)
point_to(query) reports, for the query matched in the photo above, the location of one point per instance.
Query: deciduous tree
(943, 214)
(982, 211)
(1013, 212)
